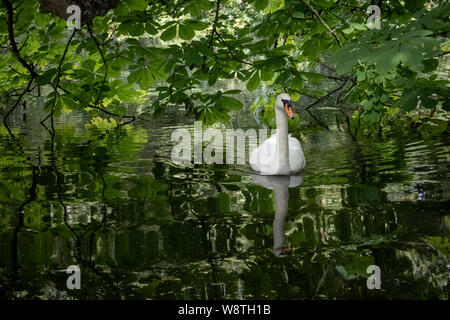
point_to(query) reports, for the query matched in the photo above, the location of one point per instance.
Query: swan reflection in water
(280, 185)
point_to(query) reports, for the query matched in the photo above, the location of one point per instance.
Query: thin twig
(104, 63)
(323, 22)
(95, 107)
(58, 75)
(327, 95)
(114, 114)
(16, 51)
(317, 120)
(216, 19)
(326, 66)
(222, 40)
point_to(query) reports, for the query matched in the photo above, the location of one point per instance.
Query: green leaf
(387, 59)
(430, 65)
(229, 103)
(209, 115)
(197, 25)
(285, 79)
(136, 4)
(261, 4)
(408, 101)
(212, 78)
(195, 10)
(347, 57)
(127, 93)
(68, 103)
(46, 77)
(254, 81)
(136, 29)
(142, 76)
(295, 96)
(235, 91)
(313, 47)
(169, 33)
(266, 74)
(186, 32)
(89, 65)
(358, 26)
(298, 14)
(151, 29)
(428, 102)
(324, 3)
(314, 78)
(243, 32)
(446, 105)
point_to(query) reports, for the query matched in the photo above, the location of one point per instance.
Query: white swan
(281, 154)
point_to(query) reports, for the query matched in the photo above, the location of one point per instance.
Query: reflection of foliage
(103, 124)
(150, 229)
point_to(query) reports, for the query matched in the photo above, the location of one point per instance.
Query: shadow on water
(141, 227)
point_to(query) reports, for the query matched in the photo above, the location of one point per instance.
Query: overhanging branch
(323, 22)
(327, 95)
(216, 19)
(104, 63)
(12, 39)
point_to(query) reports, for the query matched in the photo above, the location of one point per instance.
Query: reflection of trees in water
(199, 232)
(85, 263)
(17, 149)
(20, 277)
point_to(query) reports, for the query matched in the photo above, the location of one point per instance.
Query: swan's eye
(287, 102)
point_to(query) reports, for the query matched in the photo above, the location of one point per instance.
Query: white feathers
(266, 160)
(281, 154)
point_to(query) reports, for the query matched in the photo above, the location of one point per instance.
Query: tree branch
(323, 22)
(104, 63)
(58, 76)
(12, 39)
(216, 19)
(114, 114)
(327, 95)
(98, 108)
(317, 120)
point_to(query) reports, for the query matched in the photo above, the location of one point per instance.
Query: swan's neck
(281, 209)
(282, 142)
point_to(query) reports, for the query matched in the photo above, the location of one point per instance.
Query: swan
(281, 154)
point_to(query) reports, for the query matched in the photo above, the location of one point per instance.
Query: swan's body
(281, 154)
(263, 159)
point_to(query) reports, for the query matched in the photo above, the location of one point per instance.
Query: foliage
(181, 48)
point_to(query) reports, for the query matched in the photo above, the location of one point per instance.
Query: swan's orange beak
(289, 111)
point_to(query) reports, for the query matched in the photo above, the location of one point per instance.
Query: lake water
(141, 227)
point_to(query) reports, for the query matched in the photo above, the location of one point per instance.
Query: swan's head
(284, 103)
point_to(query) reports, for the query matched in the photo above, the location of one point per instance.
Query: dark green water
(141, 227)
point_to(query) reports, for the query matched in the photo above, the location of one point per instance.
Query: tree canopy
(126, 47)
